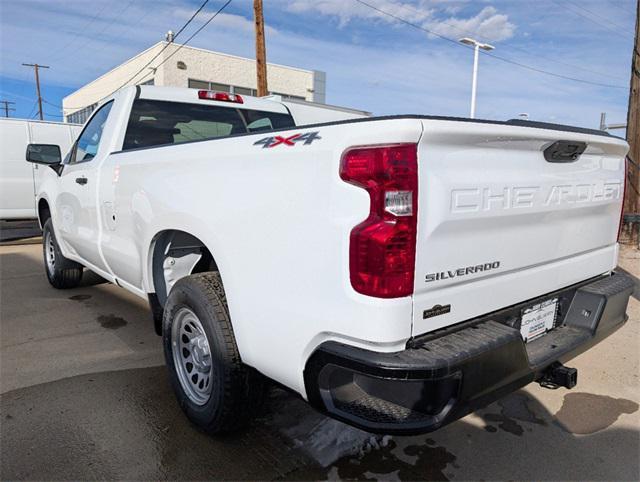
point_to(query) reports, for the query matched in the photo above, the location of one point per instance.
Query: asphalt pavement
(84, 395)
(18, 230)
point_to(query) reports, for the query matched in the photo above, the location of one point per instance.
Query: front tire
(62, 273)
(214, 388)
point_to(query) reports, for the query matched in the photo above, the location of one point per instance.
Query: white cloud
(488, 24)
(346, 11)
(400, 74)
(224, 20)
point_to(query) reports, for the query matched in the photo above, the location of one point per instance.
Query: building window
(235, 89)
(80, 116)
(232, 89)
(244, 91)
(288, 97)
(181, 65)
(219, 87)
(198, 84)
(203, 84)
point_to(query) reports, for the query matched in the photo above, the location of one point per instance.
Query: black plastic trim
(487, 355)
(512, 122)
(564, 151)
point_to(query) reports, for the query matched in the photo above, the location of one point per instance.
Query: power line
(97, 34)
(158, 54)
(512, 62)
(192, 36)
(83, 29)
(18, 95)
(164, 48)
(619, 7)
(33, 109)
(515, 47)
(575, 12)
(590, 12)
(192, 17)
(51, 103)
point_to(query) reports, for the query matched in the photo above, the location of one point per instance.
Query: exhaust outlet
(558, 375)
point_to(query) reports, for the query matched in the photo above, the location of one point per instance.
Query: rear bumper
(446, 375)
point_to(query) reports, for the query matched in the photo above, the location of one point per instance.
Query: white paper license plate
(538, 319)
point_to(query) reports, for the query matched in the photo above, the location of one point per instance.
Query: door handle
(81, 180)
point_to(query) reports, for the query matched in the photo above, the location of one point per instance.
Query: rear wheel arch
(173, 255)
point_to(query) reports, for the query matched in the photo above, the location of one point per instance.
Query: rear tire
(214, 388)
(62, 273)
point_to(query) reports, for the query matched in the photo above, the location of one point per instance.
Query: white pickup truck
(396, 272)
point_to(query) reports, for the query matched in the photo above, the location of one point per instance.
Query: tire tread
(242, 387)
(63, 278)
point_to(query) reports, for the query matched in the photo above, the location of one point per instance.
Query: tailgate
(499, 224)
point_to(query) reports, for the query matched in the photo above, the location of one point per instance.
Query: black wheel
(215, 389)
(62, 273)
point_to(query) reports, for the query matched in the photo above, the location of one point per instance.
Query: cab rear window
(156, 123)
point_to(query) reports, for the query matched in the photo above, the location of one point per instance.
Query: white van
(19, 179)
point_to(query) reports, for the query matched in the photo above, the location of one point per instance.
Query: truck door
(76, 204)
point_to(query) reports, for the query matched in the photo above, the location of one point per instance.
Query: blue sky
(373, 61)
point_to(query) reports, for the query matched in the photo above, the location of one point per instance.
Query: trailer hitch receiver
(558, 375)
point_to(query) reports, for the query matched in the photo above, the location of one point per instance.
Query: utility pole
(6, 107)
(261, 54)
(632, 201)
(36, 68)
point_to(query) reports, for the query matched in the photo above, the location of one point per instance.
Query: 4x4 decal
(274, 141)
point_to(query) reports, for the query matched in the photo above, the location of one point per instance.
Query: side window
(155, 123)
(265, 121)
(89, 140)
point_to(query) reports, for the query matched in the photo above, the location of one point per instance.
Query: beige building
(198, 69)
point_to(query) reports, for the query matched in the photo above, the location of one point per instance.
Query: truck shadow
(127, 425)
(514, 438)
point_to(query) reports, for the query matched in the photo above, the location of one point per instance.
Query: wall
(200, 65)
(106, 84)
(228, 69)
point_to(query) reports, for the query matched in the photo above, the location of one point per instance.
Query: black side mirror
(48, 154)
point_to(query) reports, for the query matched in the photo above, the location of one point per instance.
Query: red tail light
(624, 195)
(382, 249)
(220, 96)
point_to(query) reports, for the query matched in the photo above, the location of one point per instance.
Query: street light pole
(474, 83)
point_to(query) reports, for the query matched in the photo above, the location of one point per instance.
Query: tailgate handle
(564, 151)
